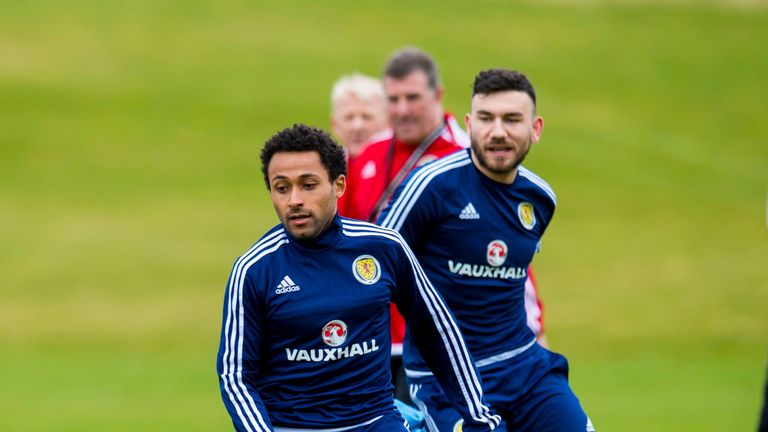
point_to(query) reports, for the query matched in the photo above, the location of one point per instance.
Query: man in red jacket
(422, 132)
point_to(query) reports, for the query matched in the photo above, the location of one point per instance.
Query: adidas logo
(286, 286)
(469, 212)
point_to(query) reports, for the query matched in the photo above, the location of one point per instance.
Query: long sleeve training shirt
(305, 332)
(475, 238)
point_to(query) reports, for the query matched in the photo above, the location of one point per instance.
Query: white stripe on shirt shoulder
(362, 226)
(538, 181)
(411, 191)
(269, 238)
(358, 228)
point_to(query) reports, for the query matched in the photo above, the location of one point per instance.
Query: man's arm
(237, 362)
(440, 342)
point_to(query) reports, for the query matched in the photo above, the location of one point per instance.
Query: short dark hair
(409, 59)
(498, 80)
(303, 138)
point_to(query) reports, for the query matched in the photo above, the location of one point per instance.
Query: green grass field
(130, 181)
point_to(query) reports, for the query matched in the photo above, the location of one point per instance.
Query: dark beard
(483, 161)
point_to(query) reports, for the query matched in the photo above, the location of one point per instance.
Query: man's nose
(497, 129)
(402, 107)
(295, 198)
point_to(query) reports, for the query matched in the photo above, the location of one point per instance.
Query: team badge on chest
(526, 215)
(496, 253)
(366, 269)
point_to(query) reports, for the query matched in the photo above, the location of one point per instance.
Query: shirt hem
(339, 429)
(412, 373)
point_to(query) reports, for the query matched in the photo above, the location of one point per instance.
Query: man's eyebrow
(505, 114)
(301, 176)
(309, 175)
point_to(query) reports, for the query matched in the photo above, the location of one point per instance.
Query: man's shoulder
(430, 187)
(364, 165)
(457, 134)
(375, 150)
(262, 250)
(444, 170)
(537, 184)
(443, 147)
(365, 233)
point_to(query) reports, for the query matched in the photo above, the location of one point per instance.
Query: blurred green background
(130, 181)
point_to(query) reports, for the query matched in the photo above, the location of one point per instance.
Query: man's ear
(468, 123)
(439, 91)
(538, 126)
(340, 185)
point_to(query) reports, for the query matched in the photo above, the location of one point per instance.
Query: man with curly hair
(305, 332)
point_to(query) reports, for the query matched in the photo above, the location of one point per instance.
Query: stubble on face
(498, 165)
(502, 127)
(302, 195)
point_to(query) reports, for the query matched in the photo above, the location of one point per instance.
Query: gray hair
(361, 86)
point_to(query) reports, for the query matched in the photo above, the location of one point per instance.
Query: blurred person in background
(306, 314)
(358, 112)
(421, 132)
(475, 220)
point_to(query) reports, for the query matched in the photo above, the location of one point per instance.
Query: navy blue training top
(475, 238)
(305, 332)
